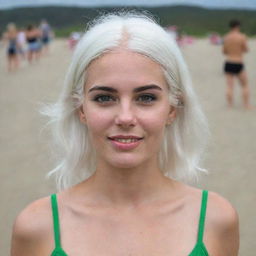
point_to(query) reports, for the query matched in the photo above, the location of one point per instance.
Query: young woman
(129, 129)
(33, 35)
(12, 49)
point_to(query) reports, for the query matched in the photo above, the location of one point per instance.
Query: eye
(146, 98)
(103, 98)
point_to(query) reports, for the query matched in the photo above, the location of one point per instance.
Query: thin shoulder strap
(202, 216)
(56, 225)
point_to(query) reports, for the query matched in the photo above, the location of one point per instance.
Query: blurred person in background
(215, 38)
(46, 35)
(22, 43)
(73, 39)
(234, 47)
(12, 49)
(33, 36)
(131, 134)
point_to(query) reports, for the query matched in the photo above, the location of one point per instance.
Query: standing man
(234, 47)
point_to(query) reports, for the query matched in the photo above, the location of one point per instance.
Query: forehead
(124, 68)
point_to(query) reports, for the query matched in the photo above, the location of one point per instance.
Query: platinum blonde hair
(183, 141)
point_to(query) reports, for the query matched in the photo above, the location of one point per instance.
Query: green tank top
(199, 249)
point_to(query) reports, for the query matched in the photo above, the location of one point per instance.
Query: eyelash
(146, 98)
(143, 98)
(98, 98)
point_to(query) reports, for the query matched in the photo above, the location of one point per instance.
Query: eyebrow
(147, 87)
(138, 89)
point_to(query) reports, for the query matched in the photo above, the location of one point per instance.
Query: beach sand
(25, 156)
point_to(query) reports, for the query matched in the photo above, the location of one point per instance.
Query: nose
(125, 116)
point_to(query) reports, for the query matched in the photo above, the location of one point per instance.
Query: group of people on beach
(29, 43)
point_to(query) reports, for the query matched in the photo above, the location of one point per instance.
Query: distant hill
(191, 20)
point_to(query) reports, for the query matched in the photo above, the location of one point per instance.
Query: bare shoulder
(225, 41)
(31, 227)
(221, 212)
(223, 225)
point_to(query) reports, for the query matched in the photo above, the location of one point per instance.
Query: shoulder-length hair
(183, 141)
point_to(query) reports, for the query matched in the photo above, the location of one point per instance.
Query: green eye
(146, 98)
(103, 98)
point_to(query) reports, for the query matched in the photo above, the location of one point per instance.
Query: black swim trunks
(12, 51)
(233, 68)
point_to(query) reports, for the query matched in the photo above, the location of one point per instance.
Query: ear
(81, 114)
(171, 115)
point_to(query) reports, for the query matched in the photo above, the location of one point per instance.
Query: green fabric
(199, 249)
(55, 214)
(58, 252)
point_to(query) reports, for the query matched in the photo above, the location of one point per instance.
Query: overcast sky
(241, 4)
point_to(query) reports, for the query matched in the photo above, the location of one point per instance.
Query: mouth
(125, 139)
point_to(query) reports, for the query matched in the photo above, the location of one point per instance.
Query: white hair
(183, 141)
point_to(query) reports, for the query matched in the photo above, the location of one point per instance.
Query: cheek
(155, 121)
(97, 121)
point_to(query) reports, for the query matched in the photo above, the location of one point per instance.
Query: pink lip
(125, 146)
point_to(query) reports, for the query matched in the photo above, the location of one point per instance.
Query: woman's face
(126, 108)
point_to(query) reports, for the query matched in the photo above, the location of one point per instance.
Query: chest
(130, 235)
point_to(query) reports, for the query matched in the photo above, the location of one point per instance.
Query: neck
(237, 29)
(129, 187)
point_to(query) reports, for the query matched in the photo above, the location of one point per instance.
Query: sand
(25, 157)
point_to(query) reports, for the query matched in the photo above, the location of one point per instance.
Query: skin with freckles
(127, 207)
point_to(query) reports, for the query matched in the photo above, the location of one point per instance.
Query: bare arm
(5, 38)
(24, 236)
(224, 48)
(224, 227)
(230, 234)
(245, 45)
(30, 231)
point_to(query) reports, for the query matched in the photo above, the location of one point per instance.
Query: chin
(126, 162)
